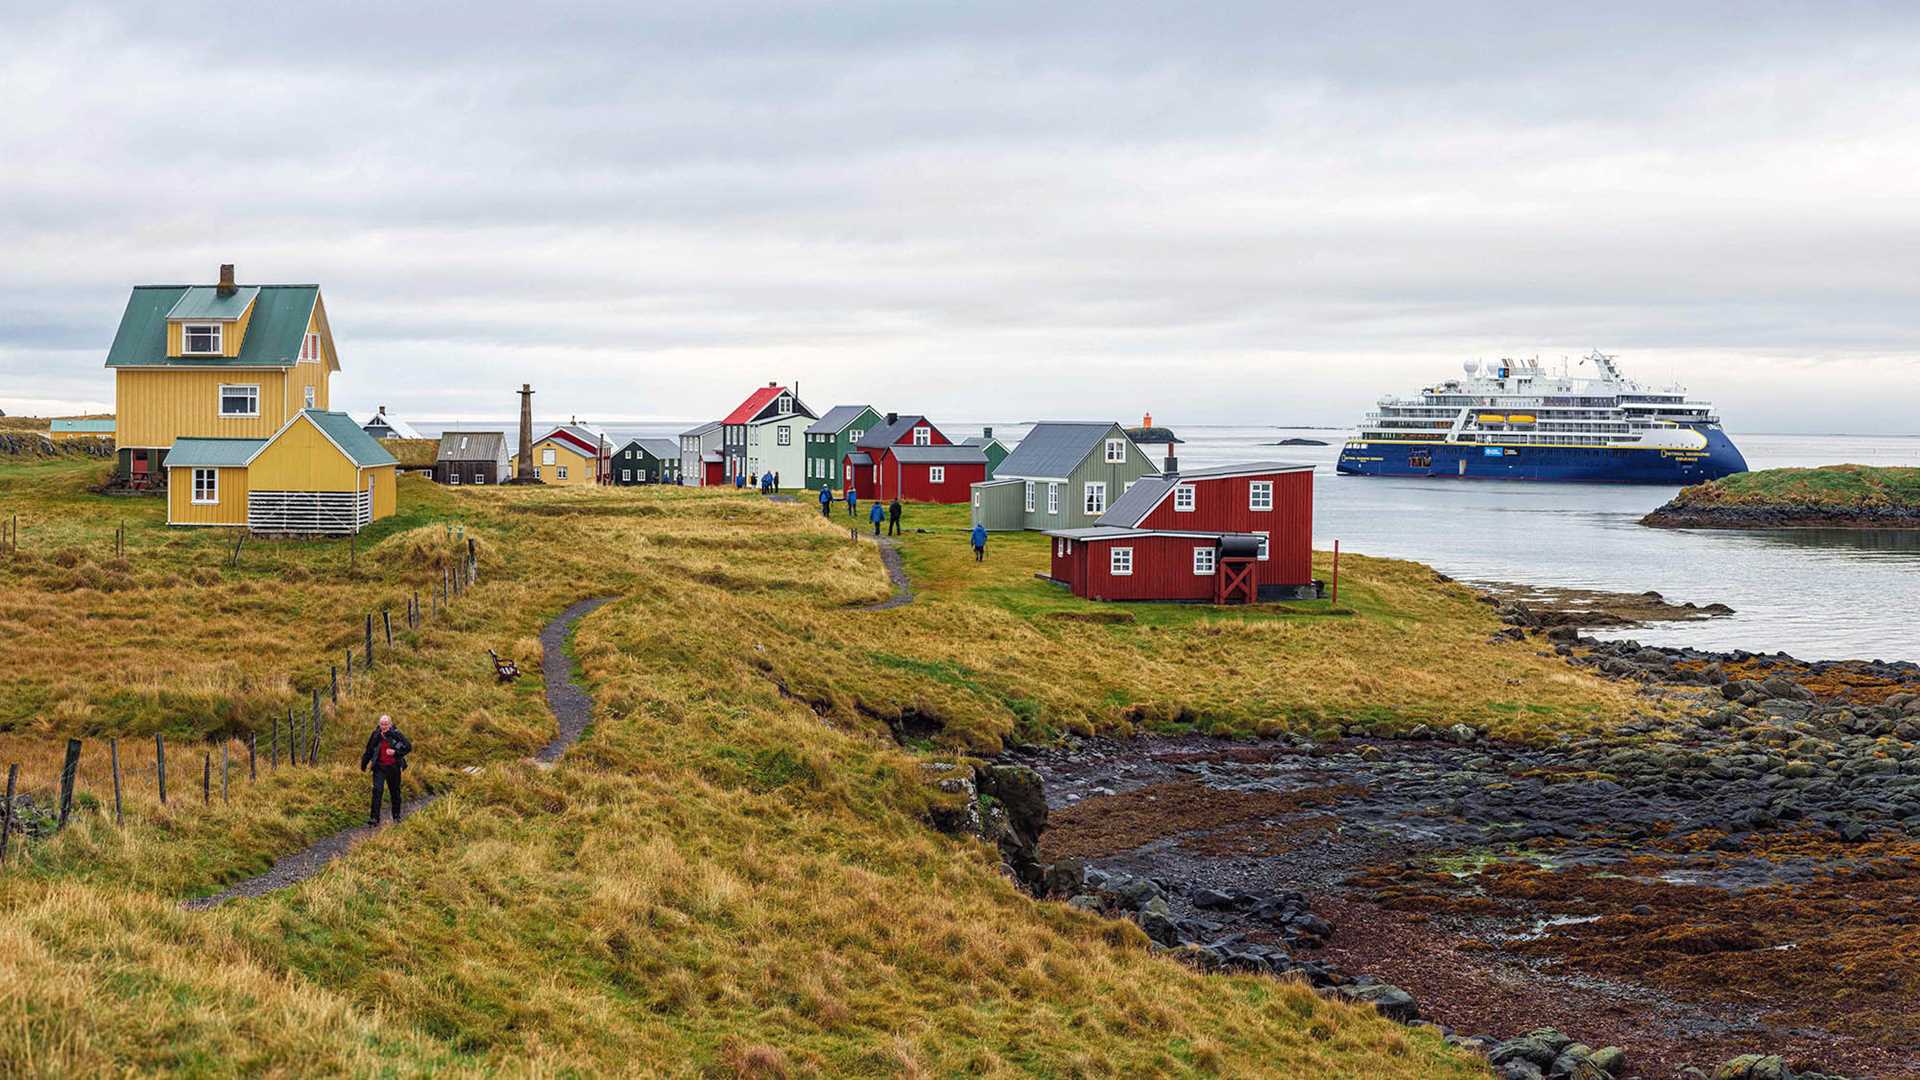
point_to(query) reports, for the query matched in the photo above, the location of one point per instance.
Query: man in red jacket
(387, 751)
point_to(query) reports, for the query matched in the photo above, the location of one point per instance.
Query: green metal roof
(212, 453)
(205, 302)
(81, 427)
(364, 449)
(274, 333)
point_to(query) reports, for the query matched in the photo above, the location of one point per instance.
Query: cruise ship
(1516, 421)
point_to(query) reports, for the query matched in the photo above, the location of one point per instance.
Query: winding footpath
(896, 573)
(572, 709)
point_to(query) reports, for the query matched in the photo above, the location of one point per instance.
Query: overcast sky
(1225, 212)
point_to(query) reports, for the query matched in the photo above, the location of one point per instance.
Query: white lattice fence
(309, 511)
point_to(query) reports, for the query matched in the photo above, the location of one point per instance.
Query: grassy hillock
(1857, 495)
(730, 875)
(413, 453)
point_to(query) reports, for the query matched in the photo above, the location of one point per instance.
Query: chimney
(383, 410)
(893, 418)
(986, 433)
(524, 474)
(1173, 463)
(227, 287)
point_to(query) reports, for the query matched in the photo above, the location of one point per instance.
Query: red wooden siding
(859, 477)
(1221, 505)
(913, 481)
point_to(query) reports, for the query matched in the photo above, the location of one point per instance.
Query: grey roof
(1054, 448)
(858, 458)
(939, 455)
(704, 429)
(980, 440)
(998, 481)
(205, 302)
(1136, 502)
(836, 419)
(481, 446)
(888, 434)
(364, 449)
(212, 453)
(587, 435)
(663, 449)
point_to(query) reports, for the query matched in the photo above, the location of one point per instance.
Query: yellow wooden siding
(232, 334)
(304, 459)
(579, 465)
(386, 498)
(155, 406)
(231, 509)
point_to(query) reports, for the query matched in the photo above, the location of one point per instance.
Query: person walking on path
(853, 500)
(893, 518)
(979, 543)
(826, 502)
(876, 515)
(766, 482)
(387, 751)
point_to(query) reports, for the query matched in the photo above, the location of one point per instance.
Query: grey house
(1063, 475)
(471, 457)
(700, 459)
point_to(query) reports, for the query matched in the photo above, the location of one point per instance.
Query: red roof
(751, 407)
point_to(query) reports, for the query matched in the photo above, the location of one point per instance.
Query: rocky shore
(1680, 515)
(1828, 497)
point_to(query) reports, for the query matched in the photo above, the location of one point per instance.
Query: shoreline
(1671, 516)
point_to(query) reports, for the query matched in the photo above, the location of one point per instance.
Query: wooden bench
(507, 670)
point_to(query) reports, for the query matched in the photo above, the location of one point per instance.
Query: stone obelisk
(524, 474)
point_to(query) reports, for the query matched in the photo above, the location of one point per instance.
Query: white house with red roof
(767, 434)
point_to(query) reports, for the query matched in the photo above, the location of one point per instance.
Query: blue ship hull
(1569, 464)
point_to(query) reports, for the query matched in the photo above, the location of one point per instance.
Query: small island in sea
(1828, 497)
(1296, 441)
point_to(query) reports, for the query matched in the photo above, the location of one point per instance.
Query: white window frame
(1069, 546)
(536, 473)
(212, 476)
(1116, 451)
(626, 476)
(453, 477)
(923, 436)
(1184, 498)
(186, 337)
(546, 455)
(1120, 561)
(936, 474)
(1264, 537)
(1255, 491)
(310, 397)
(976, 500)
(253, 391)
(785, 438)
(1093, 497)
(560, 472)
(1053, 498)
(1030, 486)
(480, 477)
(1205, 559)
(310, 348)
(783, 405)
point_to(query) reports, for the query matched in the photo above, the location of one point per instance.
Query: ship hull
(1564, 464)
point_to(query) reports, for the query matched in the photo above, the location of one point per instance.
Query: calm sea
(1818, 594)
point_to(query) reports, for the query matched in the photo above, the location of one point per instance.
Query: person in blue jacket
(853, 500)
(739, 480)
(826, 502)
(979, 543)
(766, 482)
(876, 515)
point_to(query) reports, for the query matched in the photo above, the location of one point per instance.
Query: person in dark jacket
(979, 543)
(893, 518)
(853, 499)
(386, 754)
(826, 502)
(876, 515)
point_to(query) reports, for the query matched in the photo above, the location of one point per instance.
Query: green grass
(1842, 487)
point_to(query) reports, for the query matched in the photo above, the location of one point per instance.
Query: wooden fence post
(273, 743)
(293, 740)
(6, 813)
(386, 624)
(206, 777)
(349, 672)
(473, 562)
(160, 764)
(67, 772)
(333, 680)
(225, 770)
(253, 771)
(313, 734)
(369, 652)
(113, 751)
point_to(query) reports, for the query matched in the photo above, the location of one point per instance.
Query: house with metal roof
(1234, 534)
(702, 463)
(995, 450)
(59, 430)
(383, 426)
(571, 455)
(1063, 475)
(764, 434)
(472, 458)
(646, 461)
(831, 438)
(221, 361)
(909, 458)
(318, 474)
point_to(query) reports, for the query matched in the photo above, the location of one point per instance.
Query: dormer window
(1116, 450)
(200, 339)
(310, 347)
(784, 405)
(922, 436)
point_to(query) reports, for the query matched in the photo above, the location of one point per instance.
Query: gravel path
(896, 573)
(572, 709)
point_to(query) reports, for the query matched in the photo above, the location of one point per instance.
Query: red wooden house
(909, 459)
(1235, 534)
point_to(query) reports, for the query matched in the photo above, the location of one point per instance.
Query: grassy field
(1837, 487)
(729, 876)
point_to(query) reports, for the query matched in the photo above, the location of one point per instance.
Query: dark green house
(647, 461)
(995, 450)
(831, 438)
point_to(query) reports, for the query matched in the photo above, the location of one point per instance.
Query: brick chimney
(986, 433)
(227, 287)
(893, 418)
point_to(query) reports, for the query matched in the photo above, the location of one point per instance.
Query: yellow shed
(318, 474)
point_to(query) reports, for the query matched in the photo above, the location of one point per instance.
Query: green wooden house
(995, 450)
(647, 461)
(831, 438)
(1063, 475)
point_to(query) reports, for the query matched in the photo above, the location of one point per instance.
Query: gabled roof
(205, 302)
(566, 442)
(1148, 492)
(757, 402)
(938, 455)
(362, 448)
(401, 429)
(1054, 448)
(481, 445)
(859, 458)
(982, 441)
(663, 449)
(275, 331)
(888, 434)
(212, 453)
(80, 427)
(703, 430)
(587, 439)
(835, 420)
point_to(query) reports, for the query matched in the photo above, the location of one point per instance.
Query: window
(1263, 545)
(1069, 547)
(479, 476)
(463, 442)
(785, 438)
(1096, 497)
(536, 472)
(784, 405)
(1203, 560)
(936, 474)
(1183, 498)
(200, 339)
(546, 455)
(856, 435)
(240, 400)
(562, 472)
(976, 500)
(1260, 495)
(1029, 496)
(1053, 498)
(1120, 562)
(1057, 549)
(1116, 450)
(310, 347)
(309, 397)
(626, 475)
(922, 436)
(453, 477)
(206, 487)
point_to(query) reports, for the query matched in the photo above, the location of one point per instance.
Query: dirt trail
(896, 573)
(572, 710)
